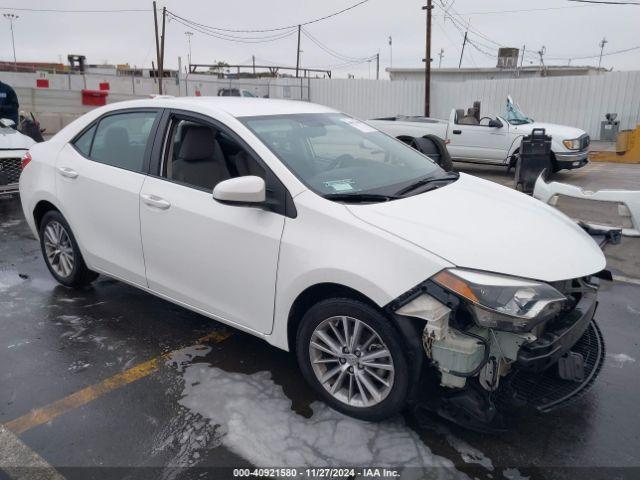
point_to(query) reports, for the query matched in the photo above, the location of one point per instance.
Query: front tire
(61, 253)
(353, 358)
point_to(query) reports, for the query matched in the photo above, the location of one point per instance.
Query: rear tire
(369, 367)
(432, 146)
(61, 253)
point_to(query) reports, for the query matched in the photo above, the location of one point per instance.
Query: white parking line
(622, 278)
(22, 463)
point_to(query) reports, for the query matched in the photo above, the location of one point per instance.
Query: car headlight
(572, 144)
(503, 302)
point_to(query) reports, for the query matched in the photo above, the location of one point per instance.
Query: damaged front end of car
(493, 342)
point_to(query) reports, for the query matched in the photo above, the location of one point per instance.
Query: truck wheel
(61, 253)
(434, 147)
(353, 358)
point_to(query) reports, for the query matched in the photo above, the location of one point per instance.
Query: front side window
(201, 156)
(333, 153)
(121, 140)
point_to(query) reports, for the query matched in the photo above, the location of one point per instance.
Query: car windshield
(333, 153)
(514, 115)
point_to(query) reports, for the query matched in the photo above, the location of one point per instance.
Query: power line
(60, 10)
(603, 2)
(275, 29)
(333, 53)
(522, 10)
(233, 38)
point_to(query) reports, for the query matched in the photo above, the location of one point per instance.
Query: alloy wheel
(351, 361)
(58, 249)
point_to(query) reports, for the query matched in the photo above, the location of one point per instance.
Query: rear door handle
(155, 201)
(67, 172)
(457, 132)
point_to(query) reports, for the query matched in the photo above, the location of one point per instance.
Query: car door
(98, 182)
(217, 258)
(479, 143)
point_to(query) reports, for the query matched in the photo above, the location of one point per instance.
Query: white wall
(580, 101)
(369, 98)
(576, 101)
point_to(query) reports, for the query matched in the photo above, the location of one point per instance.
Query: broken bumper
(546, 391)
(557, 341)
(630, 199)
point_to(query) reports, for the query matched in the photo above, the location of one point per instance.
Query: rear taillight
(25, 160)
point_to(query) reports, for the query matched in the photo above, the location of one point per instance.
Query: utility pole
(378, 66)
(12, 17)
(298, 52)
(164, 18)
(189, 35)
(253, 61)
(155, 24)
(441, 54)
(541, 52)
(464, 42)
(524, 48)
(390, 52)
(427, 60)
(603, 42)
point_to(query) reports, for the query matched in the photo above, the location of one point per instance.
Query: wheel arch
(40, 210)
(314, 294)
(409, 329)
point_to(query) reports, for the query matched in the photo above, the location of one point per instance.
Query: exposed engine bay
(544, 362)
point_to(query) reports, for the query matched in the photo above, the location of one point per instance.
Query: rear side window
(83, 143)
(120, 140)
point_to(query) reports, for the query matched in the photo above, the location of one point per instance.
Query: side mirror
(7, 122)
(241, 190)
(495, 123)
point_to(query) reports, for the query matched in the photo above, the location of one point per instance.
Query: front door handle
(67, 172)
(457, 132)
(155, 201)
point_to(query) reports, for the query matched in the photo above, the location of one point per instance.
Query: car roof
(234, 106)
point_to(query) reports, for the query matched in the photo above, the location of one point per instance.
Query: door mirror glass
(241, 190)
(495, 123)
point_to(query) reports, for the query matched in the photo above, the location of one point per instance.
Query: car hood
(558, 132)
(474, 223)
(11, 139)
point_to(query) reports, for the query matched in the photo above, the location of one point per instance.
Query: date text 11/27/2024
(324, 473)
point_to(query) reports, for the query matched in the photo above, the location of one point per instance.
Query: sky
(566, 29)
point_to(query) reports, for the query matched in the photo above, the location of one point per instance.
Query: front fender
(326, 243)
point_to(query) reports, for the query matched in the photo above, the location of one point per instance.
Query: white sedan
(323, 236)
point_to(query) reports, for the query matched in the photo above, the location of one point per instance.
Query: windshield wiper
(450, 176)
(359, 197)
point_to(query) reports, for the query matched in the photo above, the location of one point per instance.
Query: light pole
(189, 35)
(390, 52)
(602, 44)
(12, 17)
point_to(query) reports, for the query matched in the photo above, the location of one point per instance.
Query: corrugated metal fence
(576, 101)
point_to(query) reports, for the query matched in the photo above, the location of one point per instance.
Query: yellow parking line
(82, 397)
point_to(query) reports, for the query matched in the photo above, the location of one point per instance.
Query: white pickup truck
(490, 140)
